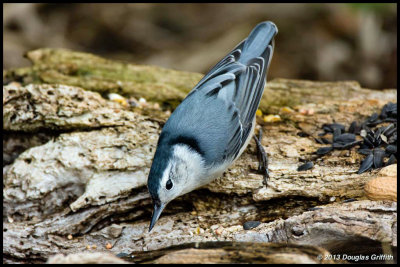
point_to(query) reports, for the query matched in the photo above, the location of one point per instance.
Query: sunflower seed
(393, 138)
(318, 140)
(391, 149)
(302, 134)
(390, 110)
(326, 141)
(384, 138)
(336, 133)
(368, 143)
(388, 128)
(390, 120)
(377, 133)
(122, 255)
(327, 129)
(250, 225)
(324, 150)
(378, 158)
(390, 132)
(314, 208)
(364, 151)
(391, 160)
(366, 164)
(349, 200)
(331, 127)
(373, 117)
(354, 128)
(305, 166)
(345, 138)
(350, 145)
(337, 145)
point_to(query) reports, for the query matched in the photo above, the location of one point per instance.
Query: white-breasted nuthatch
(213, 125)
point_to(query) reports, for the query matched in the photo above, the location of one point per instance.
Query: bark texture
(75, 168)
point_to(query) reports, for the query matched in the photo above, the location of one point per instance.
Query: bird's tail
(258, 41)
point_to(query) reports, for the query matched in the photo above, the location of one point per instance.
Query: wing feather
(224, 104)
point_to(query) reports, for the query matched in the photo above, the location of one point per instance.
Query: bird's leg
(262, 158)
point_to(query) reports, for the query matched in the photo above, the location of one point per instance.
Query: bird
(213, 125)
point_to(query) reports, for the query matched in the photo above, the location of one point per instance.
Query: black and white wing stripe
(248, 90)
(218, 113)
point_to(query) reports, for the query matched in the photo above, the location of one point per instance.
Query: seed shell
(366, 164)
(324, 150)
(305, 166)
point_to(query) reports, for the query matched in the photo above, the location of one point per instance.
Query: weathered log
(88, 179)
(235, 252)
(60, 66)
(86, 258)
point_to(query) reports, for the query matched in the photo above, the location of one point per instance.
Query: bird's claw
(262, 158)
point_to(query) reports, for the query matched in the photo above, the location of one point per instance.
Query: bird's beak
(158, 208)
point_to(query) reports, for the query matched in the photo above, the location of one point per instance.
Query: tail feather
(257, 43)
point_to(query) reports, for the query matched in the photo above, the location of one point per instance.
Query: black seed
(319, 141)
(336, 133)
(337, 125)
(354, 127)
(371, 137)
(322, 140)
(364, 151)
(377, 133)
(305, 166)
(250, 225)
(324, 150)
(326, 141)
(374, 123)
(314, 208)
(346, 138)
(388, 130)
(373, 117)
(376, 141)
(368, 143)
(327, 129)
(391, 160)
(122, 255)
(390, 120)
(302, 134)
(349, 200)
(338, 146)
(390, 110)
(366, 164)
(392, 139)
(383, 114)
(350, 145)
(331, 127)
(364, 146)
(391, 149)
(378, 158)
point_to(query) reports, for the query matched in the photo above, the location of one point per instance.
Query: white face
(183, 174)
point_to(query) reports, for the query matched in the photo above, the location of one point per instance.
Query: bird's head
(176, 170)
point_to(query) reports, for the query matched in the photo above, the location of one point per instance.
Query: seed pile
(378, 143)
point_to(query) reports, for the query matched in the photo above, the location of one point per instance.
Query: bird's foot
(262, 158)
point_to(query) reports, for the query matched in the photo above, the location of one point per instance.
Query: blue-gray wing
(218, 113)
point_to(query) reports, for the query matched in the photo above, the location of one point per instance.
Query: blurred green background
(315, 41)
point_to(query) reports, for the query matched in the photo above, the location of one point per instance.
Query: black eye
(169, 184)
